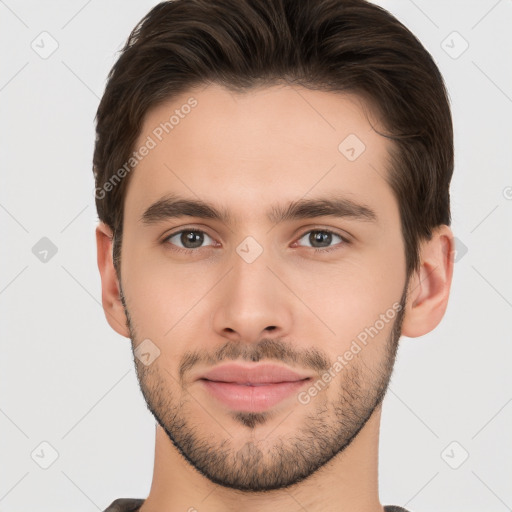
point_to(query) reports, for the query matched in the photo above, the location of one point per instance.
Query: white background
(67, 379)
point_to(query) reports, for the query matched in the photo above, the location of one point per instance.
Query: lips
(253, 388)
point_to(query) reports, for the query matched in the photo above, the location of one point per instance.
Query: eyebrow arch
(173, 206)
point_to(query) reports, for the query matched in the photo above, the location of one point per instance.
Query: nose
(251, 302)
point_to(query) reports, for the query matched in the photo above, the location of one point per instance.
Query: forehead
(244, 151)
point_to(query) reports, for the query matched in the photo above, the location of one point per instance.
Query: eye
(190, 240)
(324, 237)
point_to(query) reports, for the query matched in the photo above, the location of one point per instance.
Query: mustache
(268, 349)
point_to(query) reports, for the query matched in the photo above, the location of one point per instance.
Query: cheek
(161, 294)
(356, 298)
(347, 307)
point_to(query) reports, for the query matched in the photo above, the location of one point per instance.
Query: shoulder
(133, 504)
(125, 505)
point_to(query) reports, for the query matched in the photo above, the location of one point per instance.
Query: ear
(110, 289)
(429, 287)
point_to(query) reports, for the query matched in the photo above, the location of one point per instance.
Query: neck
(346, 483)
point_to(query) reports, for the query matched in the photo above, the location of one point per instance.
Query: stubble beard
(235, 456)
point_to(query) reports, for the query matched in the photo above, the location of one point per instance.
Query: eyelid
(196, 227)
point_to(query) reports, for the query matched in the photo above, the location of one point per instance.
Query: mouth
(252, 387)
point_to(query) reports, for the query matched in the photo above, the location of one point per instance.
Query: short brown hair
(348, 46)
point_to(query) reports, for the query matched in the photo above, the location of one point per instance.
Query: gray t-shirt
(133, 505)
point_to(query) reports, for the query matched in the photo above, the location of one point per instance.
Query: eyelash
(316, 249)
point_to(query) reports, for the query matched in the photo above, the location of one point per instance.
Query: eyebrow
(173, 206)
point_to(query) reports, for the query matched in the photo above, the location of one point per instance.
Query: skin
(246, 152)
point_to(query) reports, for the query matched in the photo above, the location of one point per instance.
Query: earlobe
(429, 288)
(110, 290)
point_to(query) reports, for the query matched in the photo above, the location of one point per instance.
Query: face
(298, 261)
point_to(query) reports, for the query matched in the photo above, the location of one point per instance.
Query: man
(272, 184)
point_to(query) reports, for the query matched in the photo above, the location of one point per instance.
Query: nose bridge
(251, 297)
(251, 284)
